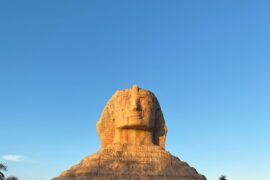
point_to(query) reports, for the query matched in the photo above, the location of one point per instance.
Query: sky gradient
(206, 61)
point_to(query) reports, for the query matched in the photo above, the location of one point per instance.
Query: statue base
(122, 161)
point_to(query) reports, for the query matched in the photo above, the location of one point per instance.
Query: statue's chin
(135, 127)
(135, 123)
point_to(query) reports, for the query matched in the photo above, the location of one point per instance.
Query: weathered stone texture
(132, 132)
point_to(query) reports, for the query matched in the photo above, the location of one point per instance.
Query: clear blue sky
(208, 62)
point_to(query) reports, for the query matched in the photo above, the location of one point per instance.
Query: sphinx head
(133, 109)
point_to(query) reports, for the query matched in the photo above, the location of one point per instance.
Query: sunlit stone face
(135, 109)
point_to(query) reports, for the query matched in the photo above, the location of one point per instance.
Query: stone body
(132, 131)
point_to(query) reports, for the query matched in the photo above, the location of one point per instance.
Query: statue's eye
(146, 102)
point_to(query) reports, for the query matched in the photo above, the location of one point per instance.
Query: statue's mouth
(135, 115)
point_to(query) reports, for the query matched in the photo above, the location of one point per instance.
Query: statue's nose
(135, 104)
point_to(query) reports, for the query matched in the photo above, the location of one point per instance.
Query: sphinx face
(135, 109)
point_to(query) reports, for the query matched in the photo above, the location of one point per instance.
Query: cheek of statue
(148, 111)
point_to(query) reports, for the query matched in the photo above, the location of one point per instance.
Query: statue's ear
(105, 127)
(160, 130)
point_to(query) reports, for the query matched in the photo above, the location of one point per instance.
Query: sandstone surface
(132, 131)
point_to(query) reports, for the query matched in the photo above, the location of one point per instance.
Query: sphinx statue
(132, 133)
